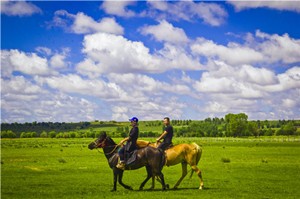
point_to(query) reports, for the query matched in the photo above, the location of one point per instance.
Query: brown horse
(181, 153)
(153, 159)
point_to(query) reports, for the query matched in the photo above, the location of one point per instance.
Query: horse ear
(104, 134)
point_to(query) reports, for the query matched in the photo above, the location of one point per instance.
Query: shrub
(225, 160)
(61, 160)
(44, 134)
(52, 134)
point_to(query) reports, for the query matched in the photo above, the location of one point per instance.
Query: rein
(102, 145)
(112, 150)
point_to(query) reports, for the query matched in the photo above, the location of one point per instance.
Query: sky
(66, 61)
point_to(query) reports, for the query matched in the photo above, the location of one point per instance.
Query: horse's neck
(110, 150)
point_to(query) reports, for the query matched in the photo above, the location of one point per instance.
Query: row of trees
(232, 125)
(237, 125)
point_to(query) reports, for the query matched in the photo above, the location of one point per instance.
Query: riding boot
(121, 164)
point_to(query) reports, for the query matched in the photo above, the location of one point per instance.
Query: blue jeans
(122, 154)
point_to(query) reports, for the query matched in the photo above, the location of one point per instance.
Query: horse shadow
(177, 189)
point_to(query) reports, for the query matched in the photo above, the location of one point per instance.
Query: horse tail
(198, 155)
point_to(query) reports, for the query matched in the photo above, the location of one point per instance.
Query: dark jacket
(133, 136)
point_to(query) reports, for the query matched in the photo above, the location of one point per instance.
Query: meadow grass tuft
(225, 160)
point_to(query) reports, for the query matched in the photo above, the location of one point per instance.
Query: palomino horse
(181, 153)
(152, 158)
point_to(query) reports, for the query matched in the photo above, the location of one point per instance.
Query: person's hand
(121, 143)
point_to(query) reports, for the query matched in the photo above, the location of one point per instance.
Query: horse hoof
(113, 190)
(141, 188)
(201, 187)
(175, 188)
(167, 186)
(130, 188)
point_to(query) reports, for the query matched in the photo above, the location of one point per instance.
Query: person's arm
(161, 136)
(124, 140)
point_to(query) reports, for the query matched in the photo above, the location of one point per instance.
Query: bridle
(102, 145)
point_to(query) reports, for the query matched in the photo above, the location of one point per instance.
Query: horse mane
(111, 140)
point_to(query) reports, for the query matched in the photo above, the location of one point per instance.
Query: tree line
(232, 125)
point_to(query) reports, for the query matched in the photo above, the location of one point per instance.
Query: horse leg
(198, 172)
(184, 172)
(161, 176)
(149, 175)
(121, 183)
(115, 179)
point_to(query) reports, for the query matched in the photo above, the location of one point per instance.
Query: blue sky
(82, 61)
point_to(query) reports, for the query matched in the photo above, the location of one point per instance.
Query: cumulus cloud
(58, 61)
(249, 89)
(107, 53)
(27, 63)
(278, 48)
(118, 8)
(277, 5)
(43, 50)
(83, 24)
(73, 83)
(211, 13)
(48, 107)
(232, 54)
(261, 48)
(19, 8)
(165, 32)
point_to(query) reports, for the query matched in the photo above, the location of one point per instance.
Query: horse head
(102, 141)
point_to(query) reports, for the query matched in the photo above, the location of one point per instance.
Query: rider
(130, 144)
(167, 135)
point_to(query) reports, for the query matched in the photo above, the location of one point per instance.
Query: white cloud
(43, 50)
(107, 53)
(278, 48)
(48, 107)
(145, 85)
(28, 63)
(260, 49)
(118, 8)
(211, 13)
(23, 100)
(232, 54)
(73, 83)
(277, 5)
(19, 8)
(165, 31)
(258, 92)
(286, 81)
(83, 24)
(58, 61)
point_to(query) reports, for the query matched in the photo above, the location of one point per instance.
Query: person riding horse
(130, 143)
(167, 135)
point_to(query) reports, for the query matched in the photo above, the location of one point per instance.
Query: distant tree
(253, 129)
(44, 134)
(236, 124)
(288, 129)
(33, 134)
(52, 134)
(8, 134)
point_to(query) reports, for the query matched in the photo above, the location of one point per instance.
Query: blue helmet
(134, 119)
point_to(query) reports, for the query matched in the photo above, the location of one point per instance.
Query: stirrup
(121, 165)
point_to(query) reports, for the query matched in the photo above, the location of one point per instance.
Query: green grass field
(232, 168)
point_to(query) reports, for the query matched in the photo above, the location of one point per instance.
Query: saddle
(131, 157)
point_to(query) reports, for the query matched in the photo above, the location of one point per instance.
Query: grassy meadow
(232, 168)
